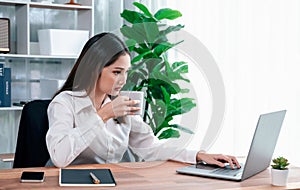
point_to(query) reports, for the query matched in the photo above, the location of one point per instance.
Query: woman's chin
(114, 93)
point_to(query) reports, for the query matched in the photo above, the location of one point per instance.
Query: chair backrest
(31, 149)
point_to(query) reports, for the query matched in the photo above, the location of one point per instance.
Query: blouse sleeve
(147, 146)
(65, 141)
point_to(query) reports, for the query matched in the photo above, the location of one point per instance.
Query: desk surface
(148, 175)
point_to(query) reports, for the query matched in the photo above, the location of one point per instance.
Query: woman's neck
(98, 100)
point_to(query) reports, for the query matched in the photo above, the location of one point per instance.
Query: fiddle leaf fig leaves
(152, 72)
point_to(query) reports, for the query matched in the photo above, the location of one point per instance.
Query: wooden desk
(148, 175)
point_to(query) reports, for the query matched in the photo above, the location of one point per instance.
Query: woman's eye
(117, 72)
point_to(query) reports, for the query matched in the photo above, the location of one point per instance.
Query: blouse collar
(81, 100)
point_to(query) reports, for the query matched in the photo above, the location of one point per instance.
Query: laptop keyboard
(228, 171)
(214, 169)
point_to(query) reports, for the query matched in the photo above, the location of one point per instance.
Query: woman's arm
(145, 144)
(65, 141)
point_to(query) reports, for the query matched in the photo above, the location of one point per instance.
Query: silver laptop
(259, 156)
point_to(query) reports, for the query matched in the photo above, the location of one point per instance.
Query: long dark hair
(99, 51)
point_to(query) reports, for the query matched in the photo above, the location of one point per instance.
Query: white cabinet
(28, 17)
(27, 65)
(27, 72)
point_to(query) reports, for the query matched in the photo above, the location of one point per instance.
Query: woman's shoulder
(69, 96)
(62, 96)
(75, 99)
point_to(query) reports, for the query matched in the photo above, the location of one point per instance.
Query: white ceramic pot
(279, 177)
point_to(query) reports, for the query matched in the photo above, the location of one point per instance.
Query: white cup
(135, 95)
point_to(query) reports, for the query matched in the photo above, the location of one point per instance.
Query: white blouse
(77, 135)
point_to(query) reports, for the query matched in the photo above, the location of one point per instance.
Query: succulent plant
(280, 163)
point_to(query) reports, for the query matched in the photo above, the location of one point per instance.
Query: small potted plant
(279, 171)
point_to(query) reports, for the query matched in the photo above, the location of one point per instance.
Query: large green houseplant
(152, 71)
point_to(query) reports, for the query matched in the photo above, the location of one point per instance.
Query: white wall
(256, 45)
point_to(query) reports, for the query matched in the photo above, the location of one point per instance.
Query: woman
(82, 124)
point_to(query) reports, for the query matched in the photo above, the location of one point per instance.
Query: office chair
(31, 149)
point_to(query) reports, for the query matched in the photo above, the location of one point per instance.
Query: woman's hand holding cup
(120, 106)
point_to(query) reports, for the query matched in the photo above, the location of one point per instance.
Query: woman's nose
(122, 79)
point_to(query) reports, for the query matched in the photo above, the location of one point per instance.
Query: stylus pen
(94, 177)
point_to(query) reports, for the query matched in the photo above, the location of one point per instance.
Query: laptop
(259, 156)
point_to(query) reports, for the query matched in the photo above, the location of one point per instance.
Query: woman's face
(114, 77)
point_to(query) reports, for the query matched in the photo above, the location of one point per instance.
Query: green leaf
(139, 57)
(164, 125)
(132, 16)
(145, 20)
(140, 50)
(171, 29)
(129, 86)
(169, 133)
(180, 106)
(136, 75)
(155, 87)
(151, 121)
(178, 64)
(185, 90)
(176, 76)
(130, 43)
(143, 8)
(152, 31)
(184, 129)
(167, 65)
(163, 47)
(167, 13)
(157, 68)
(140, 30)
(166, 96)
(133, 33)
(181, 67)
(158, 109)
(151, 62)
(175, 73)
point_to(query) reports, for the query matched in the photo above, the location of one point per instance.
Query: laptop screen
(263, 143)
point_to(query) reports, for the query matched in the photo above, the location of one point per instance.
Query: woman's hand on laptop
(217, 159)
